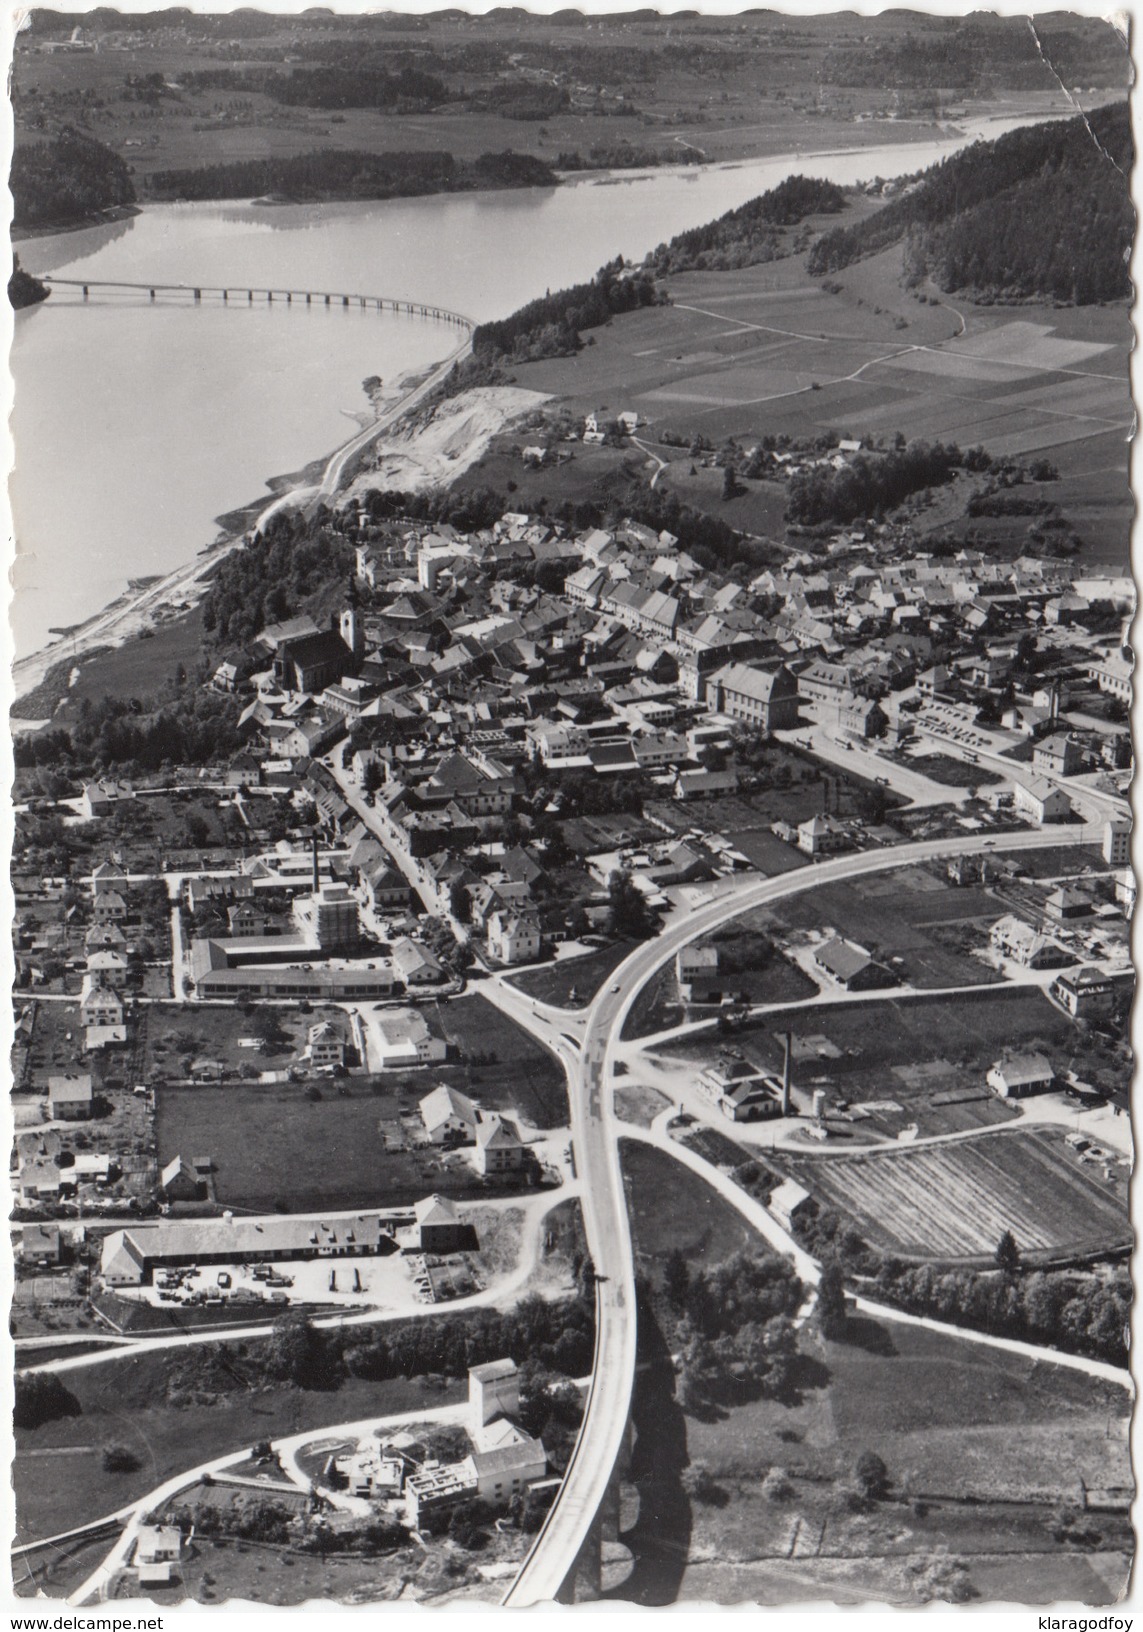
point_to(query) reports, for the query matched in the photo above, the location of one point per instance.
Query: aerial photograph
(571, 834)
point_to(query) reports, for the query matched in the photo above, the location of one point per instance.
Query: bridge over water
(247, 295)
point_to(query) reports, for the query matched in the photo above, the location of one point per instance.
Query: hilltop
(975, 222)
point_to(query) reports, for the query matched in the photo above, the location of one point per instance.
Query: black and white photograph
(570, 830)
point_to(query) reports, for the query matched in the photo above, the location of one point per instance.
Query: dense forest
(404, 89)
(872, 483)
(752, 233)
(550, 326)
(976, 221)
(345, 173)
(271, 577)
(1063, 1308)
(136, 735)
(66, 180)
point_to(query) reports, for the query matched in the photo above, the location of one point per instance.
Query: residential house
(326, 1044)
(823, 836)
(450, 1117)
(1041, 801)
(70, 1099)
(1020, 1075)
(1060, 755)
(498, 1146)
(180, 1181)
(695, 965)
(1016, 940)
(1085, 994)
(438, 1226)
(514, 937)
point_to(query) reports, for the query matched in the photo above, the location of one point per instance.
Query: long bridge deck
(249, 294)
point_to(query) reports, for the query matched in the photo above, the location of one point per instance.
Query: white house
(498, 1147)
(449, 1116)
(514, 937)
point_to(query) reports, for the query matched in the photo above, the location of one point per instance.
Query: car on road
(616, 987)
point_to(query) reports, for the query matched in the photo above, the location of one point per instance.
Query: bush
(120, 1459)
(872, 1476)
(776, 1486)
(40, 1398)
(701, 1486)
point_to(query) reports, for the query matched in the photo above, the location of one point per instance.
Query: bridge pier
(225, 296)
(250, 296)
(152, 294)
(345, 300)
(327, 300)
(197, 296)
(603, 1561)
(307, 299)
(270, 297)
(85, 291)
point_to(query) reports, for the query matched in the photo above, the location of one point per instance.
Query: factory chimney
(785, 1073)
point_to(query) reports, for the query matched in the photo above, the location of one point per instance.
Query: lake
(136, 424)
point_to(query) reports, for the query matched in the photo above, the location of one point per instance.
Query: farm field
(956, 1200)
(761, 350)
(921, 1059)
(275, 1150)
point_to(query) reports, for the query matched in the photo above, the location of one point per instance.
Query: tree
(627, 915)
(1008, 1253)
(372, 778)
(831, 1300)
(730, 487)
(40, 1396)
(459, 903)
(676, 1279)
(872, 1475)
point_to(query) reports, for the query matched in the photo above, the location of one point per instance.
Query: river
(136, 425)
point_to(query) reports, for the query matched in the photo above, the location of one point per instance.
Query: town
(253, 994)
(572, 970)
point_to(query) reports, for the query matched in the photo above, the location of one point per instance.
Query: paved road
(334, 475)
(503, 1293)
(809, 1271)
(595, 1134)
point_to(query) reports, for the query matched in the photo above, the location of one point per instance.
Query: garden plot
(956, 1200)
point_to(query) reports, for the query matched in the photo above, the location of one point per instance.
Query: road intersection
(595, 1143)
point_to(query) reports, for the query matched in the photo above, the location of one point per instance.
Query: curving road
(595, 1141)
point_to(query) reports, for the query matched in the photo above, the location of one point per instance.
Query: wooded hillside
(1044, 212)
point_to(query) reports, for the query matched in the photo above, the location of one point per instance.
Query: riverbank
(582, 223)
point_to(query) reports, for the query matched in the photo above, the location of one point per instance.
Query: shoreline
(136, 607)
(905, 132)
(322, 477)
